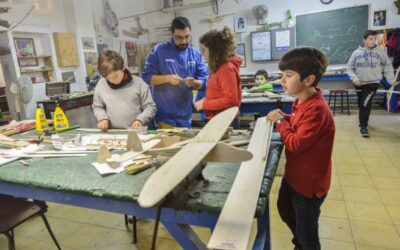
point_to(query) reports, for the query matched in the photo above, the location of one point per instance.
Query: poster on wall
(68, 76)
(24, 47)
(88, 43)
(282, 40)
(379, 18)
(240, 24)
(131, 54)
(241, 52)
(261, 46)
(91, 63)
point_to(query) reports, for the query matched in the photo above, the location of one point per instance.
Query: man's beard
(182, 46)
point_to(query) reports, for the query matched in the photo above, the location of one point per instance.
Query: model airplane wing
(168, 176)
(236, 218)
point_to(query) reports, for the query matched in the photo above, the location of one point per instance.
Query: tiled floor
(362, 209)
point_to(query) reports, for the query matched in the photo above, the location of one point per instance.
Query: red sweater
(308, 134)
(224, 88)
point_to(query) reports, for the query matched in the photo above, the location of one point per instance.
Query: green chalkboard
(336, 32)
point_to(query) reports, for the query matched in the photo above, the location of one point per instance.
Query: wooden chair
(15, 211)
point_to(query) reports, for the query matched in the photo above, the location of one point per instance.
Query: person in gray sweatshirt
(366, 67)
(120, 100)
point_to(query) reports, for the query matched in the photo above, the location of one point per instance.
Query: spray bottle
(41, 121)
(60, 119)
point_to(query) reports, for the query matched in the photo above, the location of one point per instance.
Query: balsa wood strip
(235, 221)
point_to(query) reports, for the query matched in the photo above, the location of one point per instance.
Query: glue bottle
(60, 119)
(41, 121)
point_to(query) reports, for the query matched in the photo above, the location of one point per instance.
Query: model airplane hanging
(136, 31)
(203, 147)
(111, 18)
(215, 18)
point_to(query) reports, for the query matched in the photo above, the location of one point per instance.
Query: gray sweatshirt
(124, 105)
(369, 66)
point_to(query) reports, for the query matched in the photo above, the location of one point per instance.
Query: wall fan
(260, 13)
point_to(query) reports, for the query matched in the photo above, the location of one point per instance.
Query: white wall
(277, 9)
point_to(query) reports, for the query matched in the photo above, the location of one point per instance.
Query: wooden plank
(235, 221)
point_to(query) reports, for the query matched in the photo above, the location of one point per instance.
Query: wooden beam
(235, 221)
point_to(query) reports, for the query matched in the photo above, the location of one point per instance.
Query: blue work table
(73, 181)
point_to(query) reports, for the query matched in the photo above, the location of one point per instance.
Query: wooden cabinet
(65, 45)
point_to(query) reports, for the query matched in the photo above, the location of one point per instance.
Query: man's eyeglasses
(181, 38)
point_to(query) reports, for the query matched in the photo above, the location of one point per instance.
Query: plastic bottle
(41, 121)
(60, 119)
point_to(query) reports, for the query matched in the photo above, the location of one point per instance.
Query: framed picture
(91, 63)
(240, 24)
(24, 47)
(131, 54)
(88, 43)
(241, 52)
(261, 46)
(27, 62)
(379, 18)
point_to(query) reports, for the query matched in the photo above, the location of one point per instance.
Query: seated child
(120, 100)
(261, 79)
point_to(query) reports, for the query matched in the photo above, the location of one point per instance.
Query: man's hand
(275, 115)
(357, 83)
(192, 83)
(174, 79)
(199, 104)
(103, 125)
(395, 83)
(137, 124)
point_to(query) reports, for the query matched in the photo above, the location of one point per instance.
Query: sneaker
(364, 131)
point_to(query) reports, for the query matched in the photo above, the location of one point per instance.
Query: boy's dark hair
(263, 73)
(305, 61)
(180, 23)
(109, 60)
(369, 33)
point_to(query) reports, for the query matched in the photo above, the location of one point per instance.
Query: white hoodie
(369, 66)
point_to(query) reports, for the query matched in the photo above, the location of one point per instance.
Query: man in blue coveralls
(173, 69)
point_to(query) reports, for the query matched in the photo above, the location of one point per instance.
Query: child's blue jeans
(301, 214)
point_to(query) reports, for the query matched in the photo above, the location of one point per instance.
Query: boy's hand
(357, 83)
(199, 105)
(137, 124)
(394, 83)
(174, 79)
(103, 125)
(275, 115)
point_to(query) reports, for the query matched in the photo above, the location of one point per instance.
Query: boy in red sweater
(308, 135)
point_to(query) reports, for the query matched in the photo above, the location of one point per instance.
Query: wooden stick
(133, 169)
(42, 155)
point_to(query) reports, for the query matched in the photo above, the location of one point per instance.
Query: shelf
(35, 70)
(32, 57)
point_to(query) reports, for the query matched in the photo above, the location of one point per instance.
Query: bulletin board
(282, 40)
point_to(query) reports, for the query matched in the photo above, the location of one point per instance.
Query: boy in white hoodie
(366, 67)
